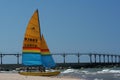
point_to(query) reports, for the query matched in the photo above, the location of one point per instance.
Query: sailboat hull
(54, 73)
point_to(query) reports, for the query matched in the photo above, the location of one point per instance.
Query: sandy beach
(16, 76)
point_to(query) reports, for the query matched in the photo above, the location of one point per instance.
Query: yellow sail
(32, 35)
(44, 47)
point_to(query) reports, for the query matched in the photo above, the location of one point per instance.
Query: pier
(70, 60)
(93, 57)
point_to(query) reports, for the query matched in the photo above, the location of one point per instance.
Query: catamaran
(35, 51)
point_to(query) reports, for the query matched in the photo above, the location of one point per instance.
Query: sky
(69, 26)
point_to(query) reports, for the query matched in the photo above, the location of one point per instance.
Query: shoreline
(16, 76)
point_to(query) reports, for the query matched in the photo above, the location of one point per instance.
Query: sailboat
(35, 50)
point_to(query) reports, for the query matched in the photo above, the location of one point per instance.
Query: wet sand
(16, 76)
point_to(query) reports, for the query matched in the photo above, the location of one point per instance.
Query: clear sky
(67, 25)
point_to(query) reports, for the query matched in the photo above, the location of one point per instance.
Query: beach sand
(16, 76)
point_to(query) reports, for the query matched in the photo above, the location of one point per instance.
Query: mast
(39, 23)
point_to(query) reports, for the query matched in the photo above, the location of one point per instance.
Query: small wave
(104, 71)
(86, 72)
(97, 79)
(114, 71)
(108, 71)
(69, 71)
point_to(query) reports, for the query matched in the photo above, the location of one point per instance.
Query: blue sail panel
(48, 61)
(30, 59)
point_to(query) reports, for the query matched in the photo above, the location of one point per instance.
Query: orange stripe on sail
(45, 50)
(31, 48)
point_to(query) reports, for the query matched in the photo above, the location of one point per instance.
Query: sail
(31, 54)
(47, 59)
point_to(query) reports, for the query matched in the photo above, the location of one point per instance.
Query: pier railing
(91, 57)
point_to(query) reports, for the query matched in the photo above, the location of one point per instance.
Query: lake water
(92, 73)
